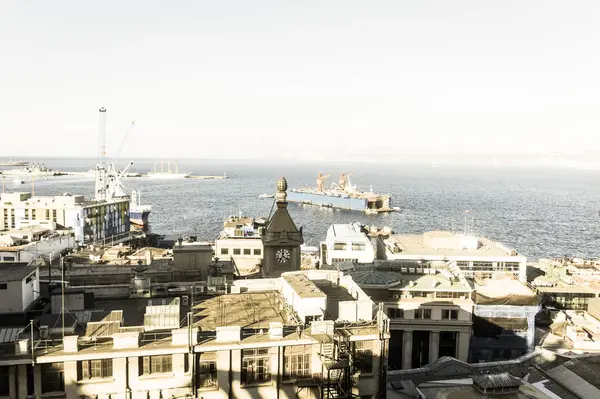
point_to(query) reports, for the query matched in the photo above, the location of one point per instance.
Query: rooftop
(304, 287)
(445, 243)
(14, 271)
(247, 310)
(347, 231)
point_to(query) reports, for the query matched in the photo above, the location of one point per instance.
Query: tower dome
(281, 188)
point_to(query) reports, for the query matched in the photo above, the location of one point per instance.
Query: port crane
(321, 180)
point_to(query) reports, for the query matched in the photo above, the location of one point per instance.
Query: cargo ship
(138, 213)
(342, 195)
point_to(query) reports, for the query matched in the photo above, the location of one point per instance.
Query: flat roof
(16, 271)
(432, 282)
(346, 231)
(303, 286)
(414, 245)
(493, 288)
(247, 310)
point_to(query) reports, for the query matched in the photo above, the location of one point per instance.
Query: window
(54, 215)
(9, 258)
(53, 379)
(26, 213)
(450, 314)
(357, 246)
(395, 313)
(224, 251)
(47, 214)
(207, 373)
(33, 213)
(237, 251)
(255, 366)
(4, 381)
(89, 369)
(339, 246)
(156, 364)
(30, 278)
(296, 361)
(257, 251)
(247, 251)
(423, 314)
(3, 286)
(363, 356)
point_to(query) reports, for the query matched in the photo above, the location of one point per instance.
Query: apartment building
(475, 256)
(311, 334)
(91, 221)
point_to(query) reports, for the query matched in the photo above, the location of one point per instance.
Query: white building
(19, 287)
(240, 242)
(90, 220)
(475, 256)
(251, 344)
(346, 242)
(25, 251)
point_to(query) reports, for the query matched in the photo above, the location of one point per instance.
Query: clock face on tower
(282, 255)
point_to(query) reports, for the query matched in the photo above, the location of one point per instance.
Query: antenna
(102, 136)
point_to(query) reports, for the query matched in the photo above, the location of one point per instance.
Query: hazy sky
(299, 79)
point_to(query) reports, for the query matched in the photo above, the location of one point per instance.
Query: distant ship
(10, 162)
(342, 195)
(138, 214)
(169, 173)
(33, 169)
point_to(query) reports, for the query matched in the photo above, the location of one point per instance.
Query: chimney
(276, 330)
(229, 334)
(70, 343)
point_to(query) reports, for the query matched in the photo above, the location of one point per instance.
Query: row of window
(238, 251)
(423, 313)
(256, 367)
(356, 246)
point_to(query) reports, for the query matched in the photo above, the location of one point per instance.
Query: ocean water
(540, 212)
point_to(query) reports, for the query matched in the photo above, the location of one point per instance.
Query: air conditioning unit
(44, 333)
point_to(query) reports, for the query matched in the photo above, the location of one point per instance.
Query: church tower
(282, 239)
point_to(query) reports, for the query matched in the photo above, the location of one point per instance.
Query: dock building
(475, 256)
(311, 334)
(92, 221)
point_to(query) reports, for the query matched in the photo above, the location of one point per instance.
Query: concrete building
(346, 242)
(475, 256)
(430, 313)
(275, 338)
(241, 243)
(49, 247)
(575, 330)
(193, 255)
(91, 221)
(19, 287)
(568, 283)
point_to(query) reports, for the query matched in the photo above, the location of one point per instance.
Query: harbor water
(540, 212)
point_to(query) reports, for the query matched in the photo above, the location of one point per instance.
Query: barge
(342, 195)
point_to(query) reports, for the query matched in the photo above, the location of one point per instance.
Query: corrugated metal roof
(490, 381)
(9, 334)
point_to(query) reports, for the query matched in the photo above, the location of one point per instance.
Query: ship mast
(101, 184)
